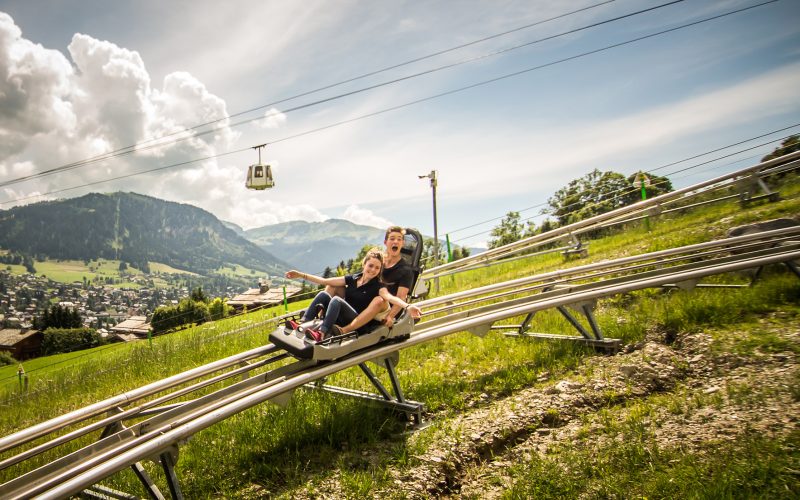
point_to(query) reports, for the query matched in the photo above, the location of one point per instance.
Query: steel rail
(766, 173)
(512, 287)
(534, 283)
(79, 477)
(562, 273)
(593, 222)
(146, 408)
(31, 483)
(572, 289)
(43, 428)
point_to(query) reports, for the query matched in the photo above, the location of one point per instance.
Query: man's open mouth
(395, 248)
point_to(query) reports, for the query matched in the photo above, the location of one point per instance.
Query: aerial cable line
(624, 191)
(724, 147)
(132, 174)
(417, 101)
(621, 192)
(650, 170)
(135, 148)
(376, 72)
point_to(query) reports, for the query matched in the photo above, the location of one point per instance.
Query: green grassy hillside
(322, 445)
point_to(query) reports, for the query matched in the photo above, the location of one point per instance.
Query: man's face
(394, 242)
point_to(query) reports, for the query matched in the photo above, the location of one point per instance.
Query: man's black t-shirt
(359, 297)
(398, 275)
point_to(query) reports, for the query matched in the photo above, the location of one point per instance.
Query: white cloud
(365, 217)
(272, 119)
(34, 90)
(53, 113)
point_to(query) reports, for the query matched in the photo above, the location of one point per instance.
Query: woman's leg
(338, 312)
(335, 291)
(377, 305)
(322, 299)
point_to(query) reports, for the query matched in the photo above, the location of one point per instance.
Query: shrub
(58, 340)
(7, 359)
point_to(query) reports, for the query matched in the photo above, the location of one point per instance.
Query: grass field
(237, 271)
(159, 268)
(323, 445)
(70, 271)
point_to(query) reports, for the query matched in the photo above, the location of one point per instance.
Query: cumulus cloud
(258, 212)
(35, 90)
(365, 217)
(53, 112)
(272, 119)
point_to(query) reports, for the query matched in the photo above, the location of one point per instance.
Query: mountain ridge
(133, 228)
(312, 246)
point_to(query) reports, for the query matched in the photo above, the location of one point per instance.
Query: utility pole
(432, 177)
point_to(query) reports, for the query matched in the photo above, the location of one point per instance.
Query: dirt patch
(472, 455)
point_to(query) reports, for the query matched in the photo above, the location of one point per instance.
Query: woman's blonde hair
(374, 253)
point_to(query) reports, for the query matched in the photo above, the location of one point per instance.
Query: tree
(789, 145)
(199, 296)
(58, 340)
(509, 231)
(354, 265)
(595, 193)
(460, 253)
(28, 263)
(426, 259)
(218, 309)
(658, 185)
(57, 316)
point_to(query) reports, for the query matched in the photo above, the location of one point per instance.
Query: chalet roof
(9, 337)
(137, 325)
(255, 297)
(124, 337)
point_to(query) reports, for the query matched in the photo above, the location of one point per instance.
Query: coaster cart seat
(299, 345)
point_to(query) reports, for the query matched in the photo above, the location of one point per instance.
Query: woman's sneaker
(315, 335)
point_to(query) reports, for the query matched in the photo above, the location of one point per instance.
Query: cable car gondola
(259, 175)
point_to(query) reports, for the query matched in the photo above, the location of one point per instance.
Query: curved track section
(156, 429)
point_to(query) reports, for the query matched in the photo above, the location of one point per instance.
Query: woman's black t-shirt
(359, 297)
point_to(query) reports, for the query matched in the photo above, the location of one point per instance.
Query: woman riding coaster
(363, 291)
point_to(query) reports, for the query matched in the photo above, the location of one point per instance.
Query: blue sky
(81, 78)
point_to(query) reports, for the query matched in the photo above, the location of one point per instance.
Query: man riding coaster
(365, 296)
(397, 276)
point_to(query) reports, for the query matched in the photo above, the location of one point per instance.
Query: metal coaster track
(473, 310)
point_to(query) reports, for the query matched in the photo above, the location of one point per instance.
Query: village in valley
(117, 313)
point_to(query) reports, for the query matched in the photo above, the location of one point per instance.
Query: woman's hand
(291, 274)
